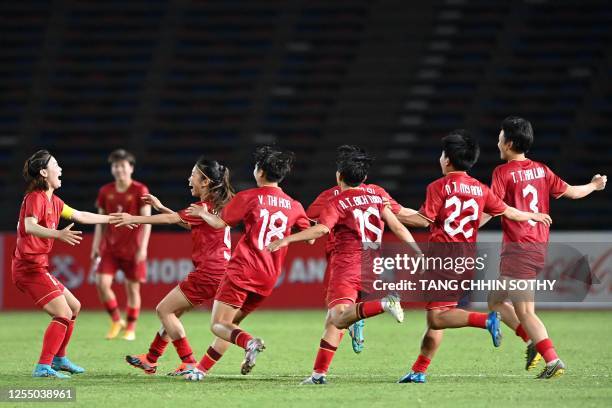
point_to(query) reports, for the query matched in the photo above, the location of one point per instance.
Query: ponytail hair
(220, 190)
(31, 171)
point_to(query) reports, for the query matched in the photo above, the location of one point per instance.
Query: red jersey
(31, 252)
(121, 242)
(211, 247)
(526, 185)
(454, 205)
(355, 217)
(268, 214)
(323, 201)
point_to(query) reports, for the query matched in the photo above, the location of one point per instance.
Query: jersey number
(363, 218)
(269, 228)
(459, 207)
(533, 204)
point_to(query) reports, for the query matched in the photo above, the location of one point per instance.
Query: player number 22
(533, 204)
(269, 229)
(459, 206)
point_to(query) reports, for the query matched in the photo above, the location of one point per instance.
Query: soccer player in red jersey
(452, 209)
(313, 212)
(355, 216)
(528, 185)
(121, 248)
(209, 181)
(267, 213)
(39, 217)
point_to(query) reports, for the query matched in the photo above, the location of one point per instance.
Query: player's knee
(161, 310)
(75, 307)
(433, 320)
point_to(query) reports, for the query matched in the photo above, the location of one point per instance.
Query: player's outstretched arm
(125, 219)
(86, 217)
(411, 218)
(598, 183)
(517, 215)
(150, 199)
(66, 235)
(314, 232)
(484, 219)
(202, 211)
(399, 229)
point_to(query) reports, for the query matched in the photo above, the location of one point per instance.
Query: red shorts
(521, 267)
(345, 283)
(233, 295)
(133, 271)
(197, 290)
(42, 287)
(440, 305)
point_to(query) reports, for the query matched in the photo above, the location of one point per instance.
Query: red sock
(520, 331)
(183, 349)
(477, 320)
(157, 348)
(325, 355)
(369, 309)
(62, 350)
(240, 338)
(113, 309)
(53, 338)
(547, 350)
(209, 359)
(131, 317)
(421, 364)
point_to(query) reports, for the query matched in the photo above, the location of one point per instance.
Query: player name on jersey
(355, 201)
(274, 201)
(528, 175)
(463, 189)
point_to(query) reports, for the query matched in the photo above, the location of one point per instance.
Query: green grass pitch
(467, 372)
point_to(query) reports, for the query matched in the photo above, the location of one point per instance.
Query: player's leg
(135, 273)
(61, 361)
(332, 336)
(525, 310)
(365, 310)
(104, 280)
(430, 343)
(53, 338)
(498, 301)
(451, 317)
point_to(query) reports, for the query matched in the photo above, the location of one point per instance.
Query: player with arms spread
(314, 211)
(121, 248)
(39, 217)
(355, 217)
(209, 181)
(528, 185)
(452, 209)
(268, 214)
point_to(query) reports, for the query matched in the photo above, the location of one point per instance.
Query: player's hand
(599, 181)
(196, 210)
(68, 236)
(141, 255)
(543, 218)
(150, 199)
(122, 219)
(278, 244)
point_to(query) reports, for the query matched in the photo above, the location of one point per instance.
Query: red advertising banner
(300, 286)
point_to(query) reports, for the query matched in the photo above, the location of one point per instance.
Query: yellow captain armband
(67, 212)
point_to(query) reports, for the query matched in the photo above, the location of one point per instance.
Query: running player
(267, 213)
(121, 248)
(39, 217)
(355, 216)
(209, 181)
(527, 185)
(452, 209)
(313, 212)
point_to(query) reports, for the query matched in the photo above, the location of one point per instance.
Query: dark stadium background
(170, 80)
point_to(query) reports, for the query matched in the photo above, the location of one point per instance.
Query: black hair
(220, 190)
(519, 132)
(461, 149)
(121, 154)
(275, 164)
(31, 171)
(353, 164)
